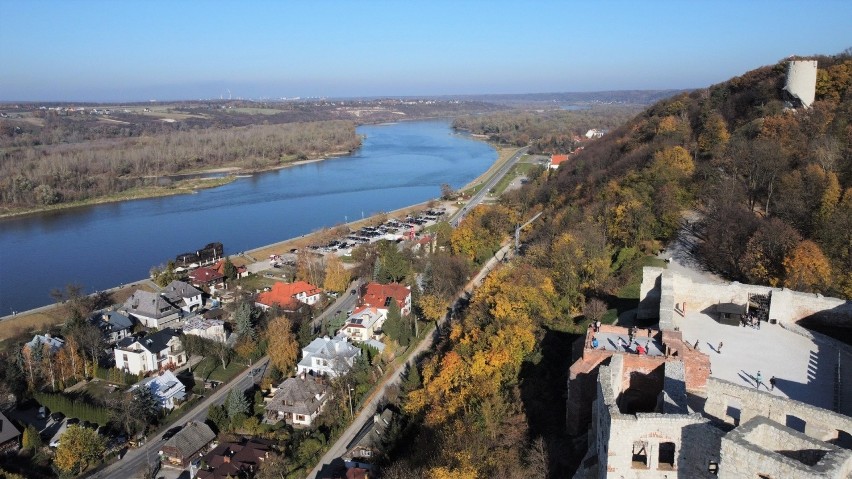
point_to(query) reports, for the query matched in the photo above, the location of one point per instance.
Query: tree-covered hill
(774, 183)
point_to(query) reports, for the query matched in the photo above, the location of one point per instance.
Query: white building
(365, 323)
(183, 295)
(168, 390)
(328, 357)
(154, 352)
(213, 329)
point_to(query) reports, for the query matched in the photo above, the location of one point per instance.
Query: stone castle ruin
(672, 410)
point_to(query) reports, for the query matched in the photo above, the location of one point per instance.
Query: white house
(38, 342)
(154, 352)
(183, 295)
(364, 323)
(328, 357)
(168, 390)
(213, 329)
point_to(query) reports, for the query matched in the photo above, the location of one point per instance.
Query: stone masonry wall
(764, 447)
(818, 423)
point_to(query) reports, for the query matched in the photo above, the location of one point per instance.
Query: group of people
(758, 381)
(750, 320)
(631, 336)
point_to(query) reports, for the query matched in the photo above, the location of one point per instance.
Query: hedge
(71, 408)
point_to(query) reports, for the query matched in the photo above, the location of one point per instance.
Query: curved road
(491, 183)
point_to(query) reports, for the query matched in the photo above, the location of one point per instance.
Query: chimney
(226, 459)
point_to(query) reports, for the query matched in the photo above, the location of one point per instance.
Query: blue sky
(125, 50)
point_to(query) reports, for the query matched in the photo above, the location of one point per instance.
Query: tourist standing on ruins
(758, 380)
(719, 347)
(598, 326)
(772, 383)
(594, 342)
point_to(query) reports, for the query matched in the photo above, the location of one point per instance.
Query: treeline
(550, 131)
(39, 176)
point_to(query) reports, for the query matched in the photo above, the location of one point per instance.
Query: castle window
(667, 456)
(713, 468)
(640, 455)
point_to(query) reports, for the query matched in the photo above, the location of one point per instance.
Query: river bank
(179, 187)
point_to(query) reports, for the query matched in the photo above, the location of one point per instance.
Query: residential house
(152, 309)
(364, 323)
(205, 277)
(153, 352)
(183, 295)
(213, 329)
(233, 459)
(595, 133)
(167, 388)
(10, 436)
(242, 271)
(289, 295)
(380, 295)
(328, 357)
(556, 160)
(114, 325)
(298, 401)
(39, 341)
(186, 445)
(368, 444)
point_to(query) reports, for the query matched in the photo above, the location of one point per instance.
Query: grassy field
(503, 155)
(211, 369)
(519, 169)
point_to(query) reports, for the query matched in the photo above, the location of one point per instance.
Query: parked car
(170, 433)
(57, 416)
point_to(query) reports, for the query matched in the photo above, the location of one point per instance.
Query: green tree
(244, 317)
(79, 447)
(393, 266)
(145, 404)
(236, 403)
(217, 417)
(396, 326)
(229, 270)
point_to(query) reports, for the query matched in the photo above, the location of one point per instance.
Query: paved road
(131, 465)
(483, 191)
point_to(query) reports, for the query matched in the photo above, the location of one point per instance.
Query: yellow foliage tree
(432, 306)
(79, 446)
(336, 276)
(807, 268)
(714, 137)
(674, 162)
(283, 348)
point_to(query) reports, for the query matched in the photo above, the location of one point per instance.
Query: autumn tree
(31, 438)
(714, 136)
(337, 277)
(79, 447)
(594, 309)
(433, 307)
(309, 267)
(807, 269)
(283, 348)
(763, 259)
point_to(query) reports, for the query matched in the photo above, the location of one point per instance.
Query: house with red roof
(379, 296)
(556, 160)
(289, 295)
(207, 278)
(242, 271)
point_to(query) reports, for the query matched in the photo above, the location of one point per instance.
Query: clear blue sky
(125, 50)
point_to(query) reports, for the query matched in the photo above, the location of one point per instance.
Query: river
(102, 246)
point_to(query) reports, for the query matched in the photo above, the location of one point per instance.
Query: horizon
(135, 52)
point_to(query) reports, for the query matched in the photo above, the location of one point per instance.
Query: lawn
(519, 169)
(211, 369)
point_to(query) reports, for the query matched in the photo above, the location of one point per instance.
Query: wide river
(102, 246)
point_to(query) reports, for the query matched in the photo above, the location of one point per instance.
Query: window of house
(368, 453)
(124, 358)
(640, 455)
(300, 417)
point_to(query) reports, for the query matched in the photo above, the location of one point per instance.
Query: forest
(549, 131)
(772, 186)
